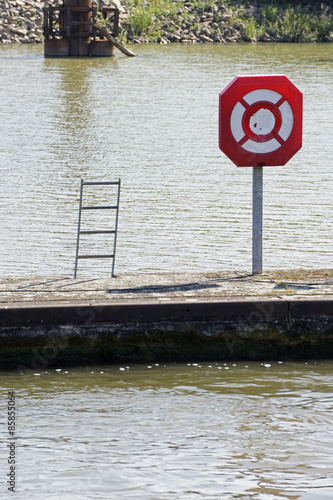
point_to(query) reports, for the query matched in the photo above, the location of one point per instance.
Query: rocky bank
(21, 21)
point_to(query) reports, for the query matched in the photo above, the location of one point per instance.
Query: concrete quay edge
(136, 312)
(212, 321)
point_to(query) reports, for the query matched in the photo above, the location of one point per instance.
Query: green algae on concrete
(164, 341)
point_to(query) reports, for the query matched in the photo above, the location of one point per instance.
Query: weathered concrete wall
(33, 337)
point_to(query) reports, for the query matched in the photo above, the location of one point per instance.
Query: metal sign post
(257, 217)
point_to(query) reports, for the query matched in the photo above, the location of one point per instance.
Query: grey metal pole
(115, 230)
(257, 196)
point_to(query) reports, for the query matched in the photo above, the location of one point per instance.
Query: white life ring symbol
(261, 121)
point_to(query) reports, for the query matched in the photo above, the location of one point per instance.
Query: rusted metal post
(45, 22)
(69, 30)
(116, 23)
(94, 14)
(68, 22)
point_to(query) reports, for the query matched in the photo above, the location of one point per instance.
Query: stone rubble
(225, 22)
(21, 21)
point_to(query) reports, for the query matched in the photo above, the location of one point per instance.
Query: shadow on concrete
(291, 286)
(186, 287)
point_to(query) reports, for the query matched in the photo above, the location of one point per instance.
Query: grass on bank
(145, 17)
(282, 20)
(290, 24)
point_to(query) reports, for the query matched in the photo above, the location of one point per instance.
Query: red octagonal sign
(260, 120)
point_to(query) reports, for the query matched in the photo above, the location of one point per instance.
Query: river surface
(153, 122)
(207, 431)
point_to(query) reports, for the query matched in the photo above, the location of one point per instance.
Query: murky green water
(173, 432)
(152, 121)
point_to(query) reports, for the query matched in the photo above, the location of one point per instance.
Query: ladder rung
(101, 183)
(95, 256)
(99, 207)
(100, 231)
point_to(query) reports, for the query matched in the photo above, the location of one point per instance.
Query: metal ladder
(98, 231)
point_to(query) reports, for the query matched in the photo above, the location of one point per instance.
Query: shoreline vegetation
(189, 21)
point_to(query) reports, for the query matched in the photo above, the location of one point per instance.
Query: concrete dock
(151, 317)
